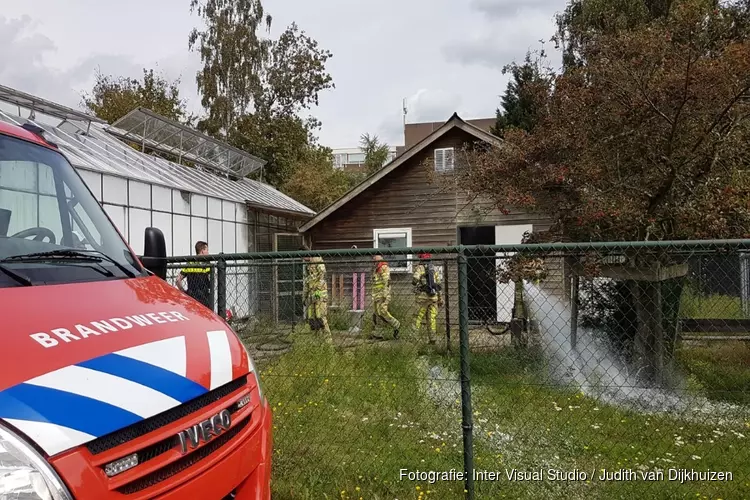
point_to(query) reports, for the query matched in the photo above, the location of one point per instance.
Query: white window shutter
(439, 160)
(448, 160)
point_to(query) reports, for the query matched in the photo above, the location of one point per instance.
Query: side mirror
(4, 221)
(155, 252)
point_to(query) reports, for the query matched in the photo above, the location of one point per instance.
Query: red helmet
(424, 255)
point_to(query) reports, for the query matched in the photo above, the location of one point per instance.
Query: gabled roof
(453, 122)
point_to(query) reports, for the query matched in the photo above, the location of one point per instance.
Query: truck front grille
(183, 463)
(163, 446)
(143, 427)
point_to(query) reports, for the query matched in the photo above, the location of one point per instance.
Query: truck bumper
(243, 474)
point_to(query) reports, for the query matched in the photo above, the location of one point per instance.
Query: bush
(607, 307)
(340, 319)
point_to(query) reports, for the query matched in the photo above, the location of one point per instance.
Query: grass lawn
(721, 370)
(347, 421)
(562, 429)
(710, 306)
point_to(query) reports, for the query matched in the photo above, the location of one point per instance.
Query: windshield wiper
(16, 276)
(72, 254)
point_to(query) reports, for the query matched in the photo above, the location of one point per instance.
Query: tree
(113, 97)
(315, 182)
(646, 140)
(518, 103)
(376, 153)
(283, 142)
(583, 20)
(254, 88)
(243, 73)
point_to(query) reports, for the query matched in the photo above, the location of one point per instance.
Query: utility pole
(405, 111)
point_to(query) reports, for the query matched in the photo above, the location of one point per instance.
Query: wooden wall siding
(415, 132)
(264, 230)
(402, 293)
(415, 197)
(412, 196)
(404, 198)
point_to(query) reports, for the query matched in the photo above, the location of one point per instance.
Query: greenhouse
(148, 171)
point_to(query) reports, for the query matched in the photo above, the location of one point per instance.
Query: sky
(441, 56)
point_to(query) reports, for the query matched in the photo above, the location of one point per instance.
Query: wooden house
(416, 201)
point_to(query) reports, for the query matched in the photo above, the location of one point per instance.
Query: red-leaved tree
(648, 139)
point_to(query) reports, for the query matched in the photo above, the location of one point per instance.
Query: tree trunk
(657, 306)
(646, 345)
(671, 300)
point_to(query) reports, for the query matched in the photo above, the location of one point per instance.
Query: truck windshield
(52, 230)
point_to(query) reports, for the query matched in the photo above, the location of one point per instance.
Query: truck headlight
(255, 372)
(24, 473)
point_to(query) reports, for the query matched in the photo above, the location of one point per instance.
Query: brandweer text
(83, 331)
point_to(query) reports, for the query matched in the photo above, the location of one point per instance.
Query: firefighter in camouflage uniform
(427, 289)
(315, 295)
(381, 294)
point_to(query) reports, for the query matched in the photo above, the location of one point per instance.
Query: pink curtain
(358, 291)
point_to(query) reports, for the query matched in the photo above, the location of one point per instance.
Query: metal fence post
(574, 286)
(211, 286)
(745, 282)
(466, 413)
(447, 295)
(221, 286)
(294, 294)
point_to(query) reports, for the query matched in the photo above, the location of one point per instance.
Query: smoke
(593, 368)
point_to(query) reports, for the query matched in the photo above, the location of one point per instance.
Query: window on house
(444, 160)
(394, 238)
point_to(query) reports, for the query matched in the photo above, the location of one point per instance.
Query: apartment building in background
(353, 159)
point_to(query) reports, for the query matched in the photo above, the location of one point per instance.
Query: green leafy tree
(642, 137)
(283, 142)
(315, 182)
(234, 55)
(376, 153)
(583, 21)
(113, 97)
(254, 87)
(519, 106)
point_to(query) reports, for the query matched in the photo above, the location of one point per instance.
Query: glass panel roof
(167, 136)
(98, 150)
(49, 108)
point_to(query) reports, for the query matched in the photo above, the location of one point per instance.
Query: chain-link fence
(533, 371)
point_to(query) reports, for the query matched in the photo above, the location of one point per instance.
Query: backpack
(431, 288)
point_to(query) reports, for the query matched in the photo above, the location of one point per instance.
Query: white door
(507, 235)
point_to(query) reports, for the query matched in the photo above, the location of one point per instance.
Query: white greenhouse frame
(139, 190)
